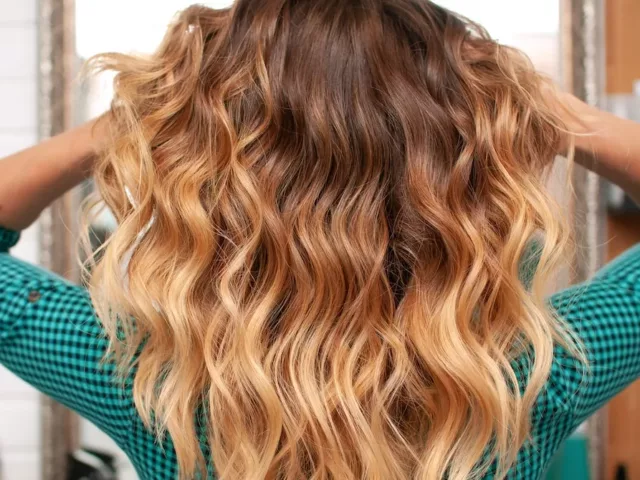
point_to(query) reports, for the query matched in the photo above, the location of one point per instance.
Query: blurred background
(588, 46)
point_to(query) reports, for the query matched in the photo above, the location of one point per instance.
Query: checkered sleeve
(605, 314)
(50, 337)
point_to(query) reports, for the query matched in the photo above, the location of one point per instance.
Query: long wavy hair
(342, 195)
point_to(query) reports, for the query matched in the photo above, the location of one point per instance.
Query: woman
(333, 241)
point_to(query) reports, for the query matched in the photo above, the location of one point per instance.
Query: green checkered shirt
(50, 337)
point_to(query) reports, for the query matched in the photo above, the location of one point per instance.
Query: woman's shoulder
(52, 339)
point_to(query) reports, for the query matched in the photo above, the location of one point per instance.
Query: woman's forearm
(33, 178)
(613, 144)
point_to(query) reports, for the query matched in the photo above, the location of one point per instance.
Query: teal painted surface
(572, 460)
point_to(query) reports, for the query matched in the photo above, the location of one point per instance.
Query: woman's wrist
(90, 140)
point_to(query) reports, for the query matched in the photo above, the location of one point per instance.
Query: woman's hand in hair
(33, 178)
(612, 144)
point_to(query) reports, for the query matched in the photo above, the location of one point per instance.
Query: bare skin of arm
(33, 178)
(612, 142)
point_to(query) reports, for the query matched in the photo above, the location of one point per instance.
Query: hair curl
(343, 193)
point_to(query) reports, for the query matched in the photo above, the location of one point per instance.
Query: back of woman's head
(342, 192)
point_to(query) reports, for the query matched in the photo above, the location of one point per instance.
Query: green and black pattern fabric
(50, 337)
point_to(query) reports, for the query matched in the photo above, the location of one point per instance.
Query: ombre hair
(342, 193)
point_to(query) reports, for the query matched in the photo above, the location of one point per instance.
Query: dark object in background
(621, 473)
(88, 464)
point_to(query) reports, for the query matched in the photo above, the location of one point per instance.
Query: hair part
(342, 194)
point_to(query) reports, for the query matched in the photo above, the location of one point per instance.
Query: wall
(19, 404)
(622, 36)
(623, 69)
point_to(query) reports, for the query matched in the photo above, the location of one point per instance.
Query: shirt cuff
(8, 238)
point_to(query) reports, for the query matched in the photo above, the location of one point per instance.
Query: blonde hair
(342, 195)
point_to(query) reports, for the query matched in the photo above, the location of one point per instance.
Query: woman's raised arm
(613, 142)
(33, 178)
